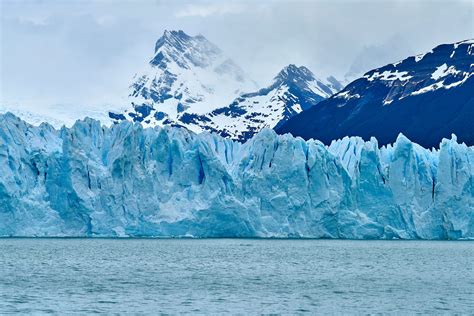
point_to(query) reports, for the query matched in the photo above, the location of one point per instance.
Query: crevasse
(92, 180)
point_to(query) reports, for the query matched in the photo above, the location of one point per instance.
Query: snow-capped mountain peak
(293, 90)
(186, 51)
(306, 80)
(189, 82)
(293, 72)
(187, 74)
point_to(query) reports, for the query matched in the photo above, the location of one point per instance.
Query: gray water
(215, 276)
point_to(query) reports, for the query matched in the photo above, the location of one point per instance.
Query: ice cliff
(91, 180)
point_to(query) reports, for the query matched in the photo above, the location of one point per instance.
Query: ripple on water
(215, 276)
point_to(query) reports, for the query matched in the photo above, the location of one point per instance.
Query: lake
(235, 276)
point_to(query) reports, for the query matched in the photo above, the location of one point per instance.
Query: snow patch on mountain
(389, 75)
(346, 95)
(443, 71)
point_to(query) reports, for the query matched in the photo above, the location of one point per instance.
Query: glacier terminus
(127, 180)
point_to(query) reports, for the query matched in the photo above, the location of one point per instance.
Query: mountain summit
(187, 74)
(293, 90)
(186, 51)
(189, 82)
(426, 97)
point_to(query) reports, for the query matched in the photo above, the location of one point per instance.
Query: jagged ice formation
(92, 180)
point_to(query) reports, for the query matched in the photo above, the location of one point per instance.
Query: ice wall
(91, 180)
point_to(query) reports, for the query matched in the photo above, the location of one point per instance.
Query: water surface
(235, 276)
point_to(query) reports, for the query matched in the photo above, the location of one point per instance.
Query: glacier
(127, 180)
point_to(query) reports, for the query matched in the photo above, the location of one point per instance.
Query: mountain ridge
(158, 99)
(426, 97)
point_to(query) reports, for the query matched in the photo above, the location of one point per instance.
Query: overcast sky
(77, 53)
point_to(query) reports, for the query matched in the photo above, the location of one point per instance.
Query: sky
(74, 54)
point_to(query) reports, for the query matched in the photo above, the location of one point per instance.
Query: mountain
(426, 97)
(190, 83)
(126, 180)
(187, 74)
(293, 90)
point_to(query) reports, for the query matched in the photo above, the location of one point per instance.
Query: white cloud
(205, 10)
(86, 51)
(39, 21)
